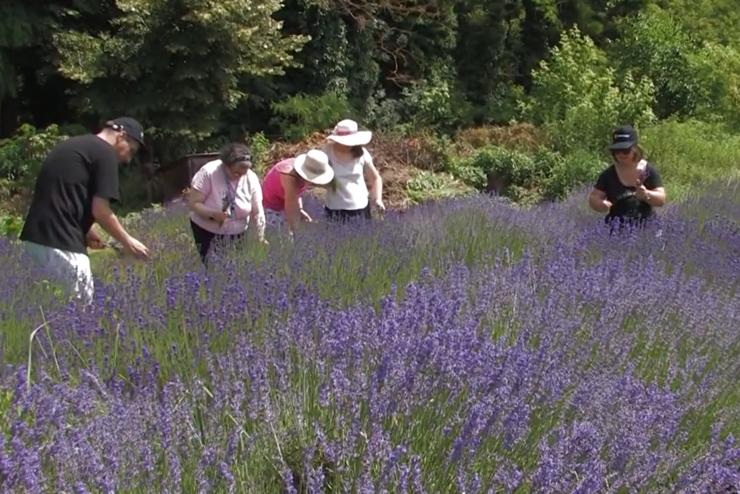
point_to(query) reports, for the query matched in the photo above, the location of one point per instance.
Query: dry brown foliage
(16, 204)
(521, 136)
(395, 157)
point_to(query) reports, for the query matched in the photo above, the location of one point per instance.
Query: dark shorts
(205, 240)
(345, 215)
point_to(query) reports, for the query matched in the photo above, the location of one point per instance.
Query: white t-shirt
(348, 191)
(211, 181)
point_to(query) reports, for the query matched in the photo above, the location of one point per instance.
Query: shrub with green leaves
(578, 98)
(426, 185)
(300, 115)
(691, 155)
(22, 154)
(692, 77)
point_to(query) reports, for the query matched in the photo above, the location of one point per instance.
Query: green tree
(175, 64)
(693, 77)
(579, 98)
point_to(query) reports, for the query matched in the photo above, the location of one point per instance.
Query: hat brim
(621, 146)
(358, 139)
(142, 144)
(313, 178)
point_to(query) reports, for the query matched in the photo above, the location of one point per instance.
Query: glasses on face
(622, 151)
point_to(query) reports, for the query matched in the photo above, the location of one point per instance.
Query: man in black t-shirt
(631, 188)
(75, 187)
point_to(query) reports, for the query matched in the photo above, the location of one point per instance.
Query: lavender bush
(460, 347)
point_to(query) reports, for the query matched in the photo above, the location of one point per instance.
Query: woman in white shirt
(347, 196)
(224, 195)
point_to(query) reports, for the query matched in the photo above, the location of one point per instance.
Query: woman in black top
(630, 189)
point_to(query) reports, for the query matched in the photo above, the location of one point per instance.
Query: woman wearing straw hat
(348, 196)
(286, 182)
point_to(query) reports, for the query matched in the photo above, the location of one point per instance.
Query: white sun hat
(347, 134)
(314, 167)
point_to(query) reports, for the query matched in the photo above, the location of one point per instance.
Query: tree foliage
(578, 97)
(176, 64)
(198, 72)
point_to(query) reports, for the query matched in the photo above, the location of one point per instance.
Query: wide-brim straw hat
(346, 133)
(314, 167)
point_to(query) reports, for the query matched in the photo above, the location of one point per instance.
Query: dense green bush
(21, 156)
(578, 98)
(426, 185)
(300, 115)
(525, 176)
(692, 154)
(693, 77)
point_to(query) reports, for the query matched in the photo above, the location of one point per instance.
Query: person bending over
(75, 187)
(631, 188)
(287, 181)
(224, 195)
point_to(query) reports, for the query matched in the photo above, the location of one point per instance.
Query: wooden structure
(173, 178)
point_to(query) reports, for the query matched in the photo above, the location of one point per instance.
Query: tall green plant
(177, 66)
(303, 114)
(578, 98)
(694, 76)
(21, 156)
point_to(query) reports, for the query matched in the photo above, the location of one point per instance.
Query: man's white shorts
(70, 269)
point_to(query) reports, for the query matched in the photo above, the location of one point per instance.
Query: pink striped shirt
(273, 194)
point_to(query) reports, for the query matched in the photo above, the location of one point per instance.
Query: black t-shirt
(625, 205)
(73, 173)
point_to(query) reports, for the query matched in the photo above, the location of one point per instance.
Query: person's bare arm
(200, 188)
(258, 210)
(105, 178)
(108, 221)
(196, 204)
(597, 201)
(655, 194)
(374, 180)
(656, 197)
(293, 204)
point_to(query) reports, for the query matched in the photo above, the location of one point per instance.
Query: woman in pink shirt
(286, 182)
(224, 195)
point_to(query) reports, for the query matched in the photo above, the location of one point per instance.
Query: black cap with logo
(132, 128)
(624, 137)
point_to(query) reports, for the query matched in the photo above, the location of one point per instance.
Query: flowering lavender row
(584, 363)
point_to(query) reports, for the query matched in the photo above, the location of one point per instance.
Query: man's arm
(106, 218)
(106, 191)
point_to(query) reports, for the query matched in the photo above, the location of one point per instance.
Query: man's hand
(94, 241)
(136, 249)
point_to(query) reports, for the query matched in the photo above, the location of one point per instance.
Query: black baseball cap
(624, 137)
(132, 128)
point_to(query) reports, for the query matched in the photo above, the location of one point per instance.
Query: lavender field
(460, 347)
